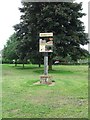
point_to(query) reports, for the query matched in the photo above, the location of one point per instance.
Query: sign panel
(46, 42)
(45, 45)
(46, 34)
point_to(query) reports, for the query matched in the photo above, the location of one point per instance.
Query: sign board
(46, 34)
(46, 45)
(46, 42)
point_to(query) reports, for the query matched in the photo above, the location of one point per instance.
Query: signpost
(46, 63)
(45, 46)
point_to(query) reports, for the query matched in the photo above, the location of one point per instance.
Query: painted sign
(46, 45)
(46, 34)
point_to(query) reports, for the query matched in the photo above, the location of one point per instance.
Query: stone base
(45, 79)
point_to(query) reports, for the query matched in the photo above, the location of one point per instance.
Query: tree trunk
(50, 63)
(16, 63)
(23, 63)
(39, 65)
(39, 62)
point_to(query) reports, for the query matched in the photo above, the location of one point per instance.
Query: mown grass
(68, 98)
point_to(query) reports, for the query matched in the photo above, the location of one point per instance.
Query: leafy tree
(61, 18)
(9, 51)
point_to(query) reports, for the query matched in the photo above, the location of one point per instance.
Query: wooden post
(46, 63)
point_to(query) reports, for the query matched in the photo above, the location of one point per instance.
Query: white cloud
(84, 19)
(9, 16)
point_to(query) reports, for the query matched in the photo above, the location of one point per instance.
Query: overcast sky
(10, 15)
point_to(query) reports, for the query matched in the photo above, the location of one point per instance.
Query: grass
(68, 98)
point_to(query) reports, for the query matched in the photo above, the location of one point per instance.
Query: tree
(61, 18)
(9, 51)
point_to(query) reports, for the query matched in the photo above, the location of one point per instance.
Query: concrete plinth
(45, 79)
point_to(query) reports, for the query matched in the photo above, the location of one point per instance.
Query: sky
(10, 16)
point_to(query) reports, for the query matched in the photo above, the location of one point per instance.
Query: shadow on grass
(40, 70)
(21, 68)
(54, 71)
(27, 67)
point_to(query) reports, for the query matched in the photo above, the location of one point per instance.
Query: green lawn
(68, 98)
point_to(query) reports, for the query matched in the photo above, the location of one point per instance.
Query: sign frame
(46, 34)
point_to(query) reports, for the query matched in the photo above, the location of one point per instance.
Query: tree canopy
(9, 51)
(61, 18)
